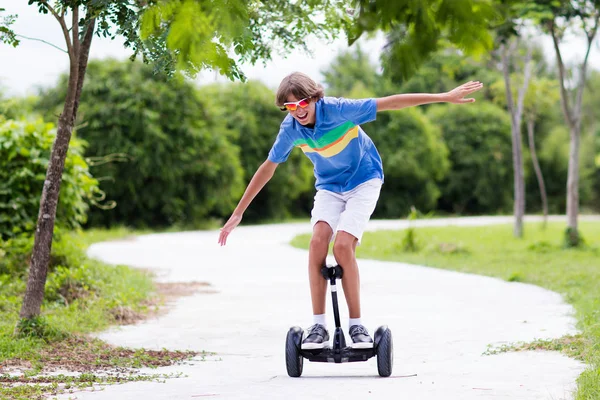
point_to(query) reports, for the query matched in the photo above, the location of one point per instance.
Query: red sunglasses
(293, 105)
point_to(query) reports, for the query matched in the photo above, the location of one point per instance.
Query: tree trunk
(538, 170)
(517, 151)
(573, 118)
(573, 188)
(40, 258)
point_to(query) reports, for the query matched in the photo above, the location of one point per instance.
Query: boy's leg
(360, 205)
(324, 217)
(344, 251)
(317, 254)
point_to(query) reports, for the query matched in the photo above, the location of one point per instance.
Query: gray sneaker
(317, 338)
(360, 337)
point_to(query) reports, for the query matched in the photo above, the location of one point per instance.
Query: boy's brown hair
(300, 86)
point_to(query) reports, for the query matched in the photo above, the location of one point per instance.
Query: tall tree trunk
(536, 167)
(572, 113)
(573, 188)
(40, 258)
(515, 123)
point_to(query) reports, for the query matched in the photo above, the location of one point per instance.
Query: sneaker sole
(314, 346)
(366, 345)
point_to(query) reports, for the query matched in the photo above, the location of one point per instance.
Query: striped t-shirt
(341, 152)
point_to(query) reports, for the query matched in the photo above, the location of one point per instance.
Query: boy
(349, 175)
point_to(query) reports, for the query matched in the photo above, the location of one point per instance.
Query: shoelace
(316, 330)
(359, 329)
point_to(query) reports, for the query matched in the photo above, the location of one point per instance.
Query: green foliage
(7, 35)
(572, 238)
(174, 161)
(18, 107)
(591, 102)
(14, 255)
(58, 336)
(195, 34)
(351, 70)
(24, 151)
(554, 162)
(409, 241)
(38, 327)
(478, 138)
(415, 160)
(81, 294)
(253, 121)
(417, 29)
(447, 69)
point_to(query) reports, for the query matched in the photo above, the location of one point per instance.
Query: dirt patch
(79, 361)
(166, 294)
(84, 354)
(173, 290)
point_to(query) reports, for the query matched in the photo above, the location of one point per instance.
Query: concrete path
(441, 321)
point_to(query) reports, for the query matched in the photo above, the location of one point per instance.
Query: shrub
(175, 164)
(415, 159)
(479, 140)
(24, 153)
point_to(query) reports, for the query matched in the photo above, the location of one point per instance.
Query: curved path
(441, 321)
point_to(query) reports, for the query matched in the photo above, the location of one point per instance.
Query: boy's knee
(319, 241)
(342, 249)
(321, 234)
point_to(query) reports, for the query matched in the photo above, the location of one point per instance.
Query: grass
(82, 296)
(539, 258)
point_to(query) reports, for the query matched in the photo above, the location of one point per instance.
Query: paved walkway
(441, 321)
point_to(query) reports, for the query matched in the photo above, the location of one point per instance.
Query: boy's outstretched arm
(457, 95)
(262, 175)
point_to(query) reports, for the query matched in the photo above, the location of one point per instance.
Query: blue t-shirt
(341, 152)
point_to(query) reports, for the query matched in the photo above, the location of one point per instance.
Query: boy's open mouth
(302, 117)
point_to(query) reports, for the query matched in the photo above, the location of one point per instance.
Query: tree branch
(83, 60)
(564, 99)
(579, 99)
(505, 54)
(43, 41)
(63, 25)
(525, 85)
(75, 28)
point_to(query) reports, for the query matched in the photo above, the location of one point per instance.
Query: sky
(34, 64)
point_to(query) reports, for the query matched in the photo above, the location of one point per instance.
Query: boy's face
(306, 116)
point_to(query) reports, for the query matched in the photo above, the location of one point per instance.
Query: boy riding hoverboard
(349, 176)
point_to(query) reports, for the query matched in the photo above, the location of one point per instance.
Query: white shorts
(347, 211)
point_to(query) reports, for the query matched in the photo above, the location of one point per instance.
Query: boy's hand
(233, 221)
(457, 95)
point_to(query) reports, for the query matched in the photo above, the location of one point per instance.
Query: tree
(540, 97)
(162, 154)
(556, 18)
(479, 144)
(352, 67)
(516, 114)
(508, 39)
(542, 94)
(415, 158)
(174, 34)
(417, 29)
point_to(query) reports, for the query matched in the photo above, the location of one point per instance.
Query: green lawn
(82, 296)
(539, 259)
